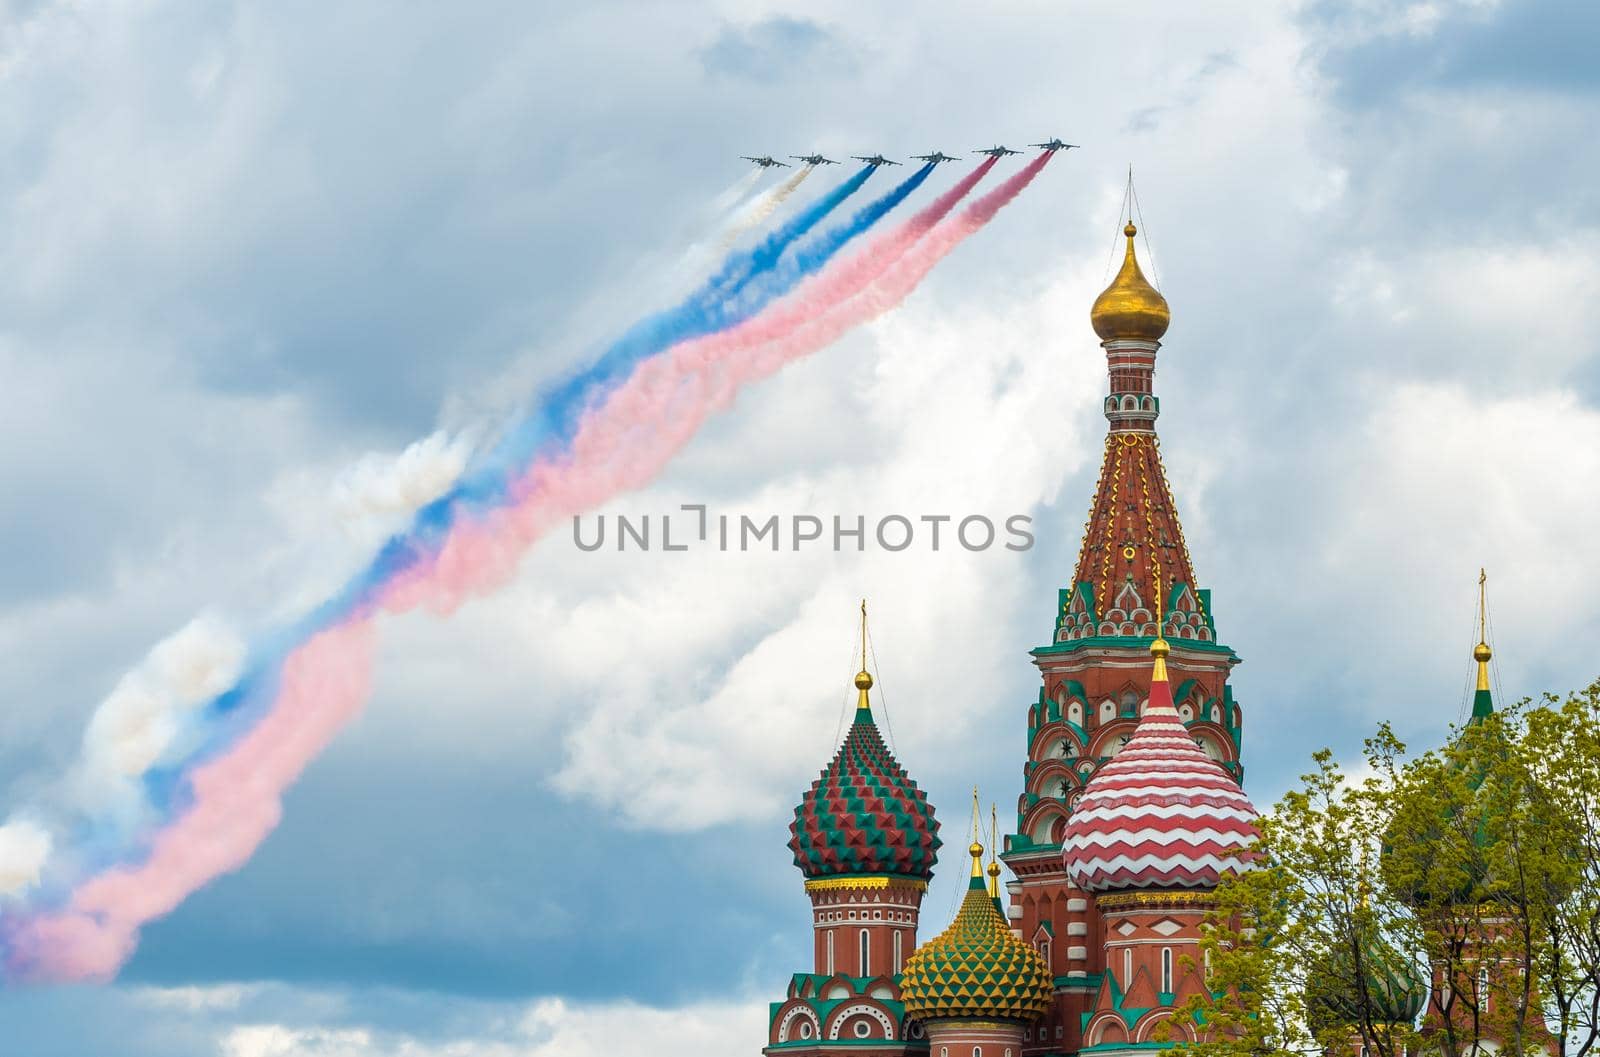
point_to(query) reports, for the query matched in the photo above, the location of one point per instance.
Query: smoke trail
(235, 804)
(700, 313)
(764, 207)
(233, 798)
(624, 443)
(420, 475)
(735, 192)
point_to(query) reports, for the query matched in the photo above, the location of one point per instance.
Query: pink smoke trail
(624, 443)
(621, 445)
(237, 802)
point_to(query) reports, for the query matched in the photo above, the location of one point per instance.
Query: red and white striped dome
(1161, 813)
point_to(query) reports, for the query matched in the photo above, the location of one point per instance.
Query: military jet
(997, 152)
(935, 158)
(1054, 145)
(766, 161)
(813, 159)
(874, 160)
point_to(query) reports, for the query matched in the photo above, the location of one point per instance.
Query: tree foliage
(1469, 874)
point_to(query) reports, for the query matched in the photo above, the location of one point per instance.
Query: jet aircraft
(874, 160)
(813, 159)
(997, 152)
(936, 157)
(1054, 145)
(766, 161)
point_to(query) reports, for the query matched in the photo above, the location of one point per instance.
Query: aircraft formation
(767, 161)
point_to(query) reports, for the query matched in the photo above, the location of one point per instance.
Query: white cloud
(547, 1028)
(215, 998)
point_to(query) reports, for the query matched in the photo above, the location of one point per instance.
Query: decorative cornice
(875, 881)
(1123, 900)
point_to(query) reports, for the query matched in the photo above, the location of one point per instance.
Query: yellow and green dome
(976, 968)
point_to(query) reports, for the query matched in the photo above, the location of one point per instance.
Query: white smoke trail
(735, 192)
(24, 849)
(764, 207)
(149, 716)
(384, 487)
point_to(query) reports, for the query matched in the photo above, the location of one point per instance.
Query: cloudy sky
(248, 252)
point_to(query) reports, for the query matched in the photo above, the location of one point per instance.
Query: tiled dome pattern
(976, 968)
(864, 815)
(1161, 813)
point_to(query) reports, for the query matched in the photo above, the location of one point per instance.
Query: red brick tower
(1133, 579)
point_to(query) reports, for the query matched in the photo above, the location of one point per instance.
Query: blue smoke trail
(746, 282)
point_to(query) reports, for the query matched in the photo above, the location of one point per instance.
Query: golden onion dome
(1130, 307)
(977, 968)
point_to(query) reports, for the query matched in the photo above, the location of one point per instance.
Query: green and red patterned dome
(1390, 989)
(977, 968)
(864, 815)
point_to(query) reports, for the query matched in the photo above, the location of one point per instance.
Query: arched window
(866, 967)
(1166, 970)
(1044, 951)
(977, 1051)
(1483, 987)
(830, 953)
(1127, 968)
(898, 964)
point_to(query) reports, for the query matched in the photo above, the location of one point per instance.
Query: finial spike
(1481, 652)
(976, 848)
(863, 677)
(1159, 649)
(863, 634)
(994, 857)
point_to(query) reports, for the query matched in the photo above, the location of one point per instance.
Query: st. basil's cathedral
(1132, 808)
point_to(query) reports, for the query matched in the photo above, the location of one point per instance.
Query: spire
(994, 844)
(976, 848)
(1482, 699)
(863, 677)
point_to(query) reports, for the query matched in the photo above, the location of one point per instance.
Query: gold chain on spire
(1481, 652)
(863, 677)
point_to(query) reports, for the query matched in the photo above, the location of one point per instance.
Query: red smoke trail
(236, 804)
(624, 443)
(620, 446)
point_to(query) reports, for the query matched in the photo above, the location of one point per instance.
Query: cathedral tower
(1134, 582)
(1154, 832)
(866, 840)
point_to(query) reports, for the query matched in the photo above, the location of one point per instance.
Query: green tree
(1475, 866)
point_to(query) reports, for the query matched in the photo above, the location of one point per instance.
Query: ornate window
(1166, 970)
(866, 965)
(830, 953)
(898, 964)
